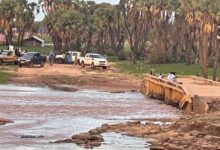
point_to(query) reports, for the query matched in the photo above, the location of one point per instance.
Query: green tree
(7, 17)
(24, 18)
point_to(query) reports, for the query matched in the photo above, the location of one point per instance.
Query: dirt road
(108, 80)
(201, 87)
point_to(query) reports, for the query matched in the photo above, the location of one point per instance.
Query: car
(60, 59)
(32, 58)
(8, 56)
(94, 60)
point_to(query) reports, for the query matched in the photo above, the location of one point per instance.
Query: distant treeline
(160, 31)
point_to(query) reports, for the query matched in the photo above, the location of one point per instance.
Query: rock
(194, 133)
(97, 131)
(134, 90)
(173, 147)
(187, 137)
(119, 91)
(78, 141)
(87, 136)
(63, 87)
(63, 141)
(86, 140)
(201, 135)
(165, 139)
(5, 121)
(212, 138)
(157, 148)
(199, 106)
(205, 146)
(133, 122)
(105, 126)
(213, 129)
(185, 146)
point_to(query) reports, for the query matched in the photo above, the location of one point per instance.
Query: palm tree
(7, 15)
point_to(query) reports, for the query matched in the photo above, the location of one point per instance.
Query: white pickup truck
(62, 58)
(94, 60)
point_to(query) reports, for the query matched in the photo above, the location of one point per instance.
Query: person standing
(51, 57)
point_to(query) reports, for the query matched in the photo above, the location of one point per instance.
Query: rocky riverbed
(193, 132)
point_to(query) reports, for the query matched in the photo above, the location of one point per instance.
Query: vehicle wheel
(92, 66)
(42, 64)
(60, 61)
(104, 67)
(20, 65)
(78, 62)
(1, 61)
(83, 64)
(16, 63)
(31, 64)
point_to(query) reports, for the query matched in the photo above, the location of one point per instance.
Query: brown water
(58, 115)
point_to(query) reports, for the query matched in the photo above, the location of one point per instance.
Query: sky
(40, 16)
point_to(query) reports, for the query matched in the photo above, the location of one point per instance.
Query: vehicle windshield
(28, 55)
(97, 56)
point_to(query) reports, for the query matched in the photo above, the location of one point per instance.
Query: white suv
(94, 60)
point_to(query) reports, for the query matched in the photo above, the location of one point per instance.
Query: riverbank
(7, 72)
(111, 80)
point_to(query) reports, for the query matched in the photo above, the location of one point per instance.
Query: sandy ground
(108, 80)
(201, 88)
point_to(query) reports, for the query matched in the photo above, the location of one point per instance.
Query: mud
(60, 74)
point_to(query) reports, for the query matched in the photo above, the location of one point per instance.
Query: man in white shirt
(171, 77)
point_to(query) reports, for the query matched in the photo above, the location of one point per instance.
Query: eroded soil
(109, 80)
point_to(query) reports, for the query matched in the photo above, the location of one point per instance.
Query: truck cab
(68, 57)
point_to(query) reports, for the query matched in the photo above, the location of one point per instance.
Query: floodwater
(52, 115)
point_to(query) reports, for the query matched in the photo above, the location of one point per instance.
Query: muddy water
(52, 115)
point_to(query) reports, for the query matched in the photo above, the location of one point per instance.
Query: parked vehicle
(7, 56)
(31, 59)
(68, 57)
(94, 60)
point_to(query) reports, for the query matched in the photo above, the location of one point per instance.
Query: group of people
(170, 77)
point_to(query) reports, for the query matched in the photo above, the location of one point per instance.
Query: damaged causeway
(200, 131)
(195, 95)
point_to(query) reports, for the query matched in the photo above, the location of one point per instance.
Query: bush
(112, 58)
(110, 52)
(123, 55)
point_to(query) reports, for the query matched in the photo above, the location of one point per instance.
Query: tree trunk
(203, 54)
(215, 68)
(57, 41)
(89, 42)
(19, 38)
(9, 36)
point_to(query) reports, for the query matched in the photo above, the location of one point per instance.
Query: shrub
(123, 55)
